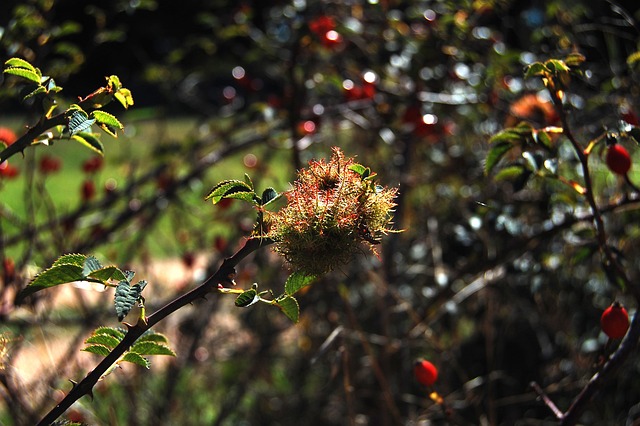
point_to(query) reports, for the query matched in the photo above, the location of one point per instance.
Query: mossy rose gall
(334, 208)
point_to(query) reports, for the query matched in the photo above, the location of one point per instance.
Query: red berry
(88, 190)
(7, 136)
(8, 171)
(49, 164)
(618, 159)
(9, 269)
(225, 203)
(615, 321)
(92, 165)
(426, 373)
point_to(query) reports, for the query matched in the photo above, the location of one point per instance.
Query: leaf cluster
(104, 339)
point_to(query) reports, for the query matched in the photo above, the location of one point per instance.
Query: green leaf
(109, 130)
(104, 340)
(536, 69)
(106, 118)
(124, 97)
(518, 175)
(108, 273)
(574, 59)
(79, 121)
(289, 306)
(495, 154)
(151, 348)
(247, 298)
(557, 66)
(510, 173)
(359, 169)
(71, 259)
(90, 141)
(98, 350)
(231, 189)
(19, 63)
(633, 59)
(127, 295)
(296, 281)
(134, 358)
(51, 277)
(37, 91)
(109, 331)
(113, 83)
(107, 122)
(520, 133)
(152, 336)
(248, 181)
(90, 264)
(542, 138)
(269, 195)
(24, 73)
(249, 197)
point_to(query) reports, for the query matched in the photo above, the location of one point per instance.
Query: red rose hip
(618, 159)
(426, 373)
(615, 321)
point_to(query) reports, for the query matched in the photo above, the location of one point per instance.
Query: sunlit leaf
(108, 273)
(557, 66)
(108, 119)
(232, 189)
(24, 73)
(104, 340)
(633, 59)
(124, 97)
(247, 298)
(110, 331)
(90, 140)
(510, 173)
(289, 306)
(56, 275)
(297, 281)
(71, 259)
(98, 350)
(151, 336)
(134, 358)
(151, 348)
(574, 59)
(536, 69)
(20, 63)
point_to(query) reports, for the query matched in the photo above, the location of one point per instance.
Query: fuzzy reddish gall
(615, 321)
(425, 372)
(618, 159)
